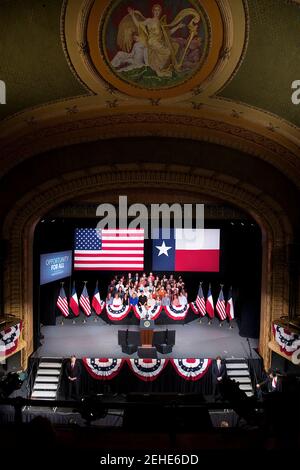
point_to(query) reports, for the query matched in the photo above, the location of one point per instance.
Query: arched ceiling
(54, 98)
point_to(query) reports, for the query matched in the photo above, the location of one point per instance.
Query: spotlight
(42, 221)
(242, 223)
(53, 220)
(231, 223)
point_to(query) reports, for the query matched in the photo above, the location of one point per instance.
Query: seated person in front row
(175, 301)
(133, 299)
(142, 298)
(117, 301)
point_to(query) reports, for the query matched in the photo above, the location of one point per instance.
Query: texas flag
(186, 250)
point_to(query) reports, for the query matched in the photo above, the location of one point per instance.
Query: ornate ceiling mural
(148, 49)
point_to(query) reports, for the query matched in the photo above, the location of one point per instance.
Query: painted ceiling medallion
(154, 46)
(149, 48)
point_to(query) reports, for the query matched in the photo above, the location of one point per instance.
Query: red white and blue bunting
(191, 369)
(9, 339)
(289, 343)
(147, 369)
(117, 313)
(153, 312)
(103, 369)
(176, 313)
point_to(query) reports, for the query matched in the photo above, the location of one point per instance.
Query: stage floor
(99, 339)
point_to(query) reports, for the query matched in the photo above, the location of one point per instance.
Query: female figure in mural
(156, 35)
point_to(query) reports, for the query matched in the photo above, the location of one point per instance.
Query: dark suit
(269, 385)
(216, 374)
(73, 385)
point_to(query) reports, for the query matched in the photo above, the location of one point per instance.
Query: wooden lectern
(146, 331)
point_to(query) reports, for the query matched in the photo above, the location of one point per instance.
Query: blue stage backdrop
(54, 266)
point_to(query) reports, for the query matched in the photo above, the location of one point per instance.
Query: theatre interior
(116, 333)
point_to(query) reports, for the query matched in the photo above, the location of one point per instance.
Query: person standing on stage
(73, 374)
(218, 374)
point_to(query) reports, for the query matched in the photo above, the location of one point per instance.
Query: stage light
(231, 223)
(53, 220)
(42, 221)
(242, 223)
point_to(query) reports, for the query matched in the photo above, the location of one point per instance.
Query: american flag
(220, 307)
(200, 301)
(109, 249)
(84, 302)
(62, 302)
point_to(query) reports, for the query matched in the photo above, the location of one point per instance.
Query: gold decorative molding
(165, 123)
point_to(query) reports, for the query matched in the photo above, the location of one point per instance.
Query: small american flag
(62, 302)
(200, 301)
(220, 307)
(84, 302)
(109, 249)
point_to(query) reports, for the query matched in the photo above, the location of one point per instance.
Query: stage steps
(47, 379)
(237, 369)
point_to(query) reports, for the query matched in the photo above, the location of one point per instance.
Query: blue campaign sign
(54, 266)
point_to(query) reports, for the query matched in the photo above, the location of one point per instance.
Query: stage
(100, 339)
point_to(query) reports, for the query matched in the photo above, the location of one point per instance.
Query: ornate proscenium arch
(20, 224)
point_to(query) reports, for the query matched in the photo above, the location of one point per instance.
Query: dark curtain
(256, 368)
